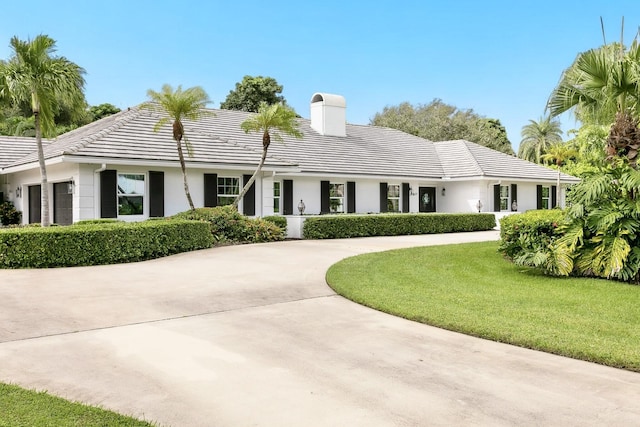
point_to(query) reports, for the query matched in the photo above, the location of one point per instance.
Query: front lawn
(470, 288)
(20, 407)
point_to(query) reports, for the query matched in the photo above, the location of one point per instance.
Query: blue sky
(499, 58)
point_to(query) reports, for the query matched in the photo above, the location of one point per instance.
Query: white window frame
(337, 192)
(277, 198)
(505, 200)
(231, 197)
(391, 198)
(546, 198)
(143, 195)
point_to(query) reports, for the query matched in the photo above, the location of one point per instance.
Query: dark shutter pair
(496, 197)
(384, 193)
(109, 194)
(325, 197)
(211, 193)
(554, 196)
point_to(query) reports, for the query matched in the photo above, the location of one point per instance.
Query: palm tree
(276, 119)
(47, 83)
(178, 105)
(559, 154)
(537, 137)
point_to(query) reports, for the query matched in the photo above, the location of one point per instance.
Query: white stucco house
(118, 167)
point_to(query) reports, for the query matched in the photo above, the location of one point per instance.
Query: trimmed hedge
(102, 243)
(229, 226)
(346, 226)
(529, 233)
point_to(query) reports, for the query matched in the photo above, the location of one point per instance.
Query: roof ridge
(466, 145)
(125, 117)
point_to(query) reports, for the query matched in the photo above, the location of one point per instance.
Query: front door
(34, 204)
(62, 203)
(427, 199)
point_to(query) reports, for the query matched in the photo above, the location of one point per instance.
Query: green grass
(470, 288)
(20, 407)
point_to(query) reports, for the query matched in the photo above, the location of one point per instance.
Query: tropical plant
(272, 120)
(559, 154)
(537, 137)
(34, 75)
(178, 105)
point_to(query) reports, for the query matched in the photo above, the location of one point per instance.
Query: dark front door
(427, 199)
(62, 203)
(34, 204)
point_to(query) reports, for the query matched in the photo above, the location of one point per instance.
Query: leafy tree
(251, 92)
(588, 142)
(34, 75)
(438, 121)
(96, 112)
(272, 120)
(178, 105)
(537, 137)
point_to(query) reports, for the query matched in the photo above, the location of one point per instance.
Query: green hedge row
(345, 226)
(531, 232)
(278, 220)
(102, 243)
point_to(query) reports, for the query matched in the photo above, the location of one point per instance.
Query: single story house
(118, 167)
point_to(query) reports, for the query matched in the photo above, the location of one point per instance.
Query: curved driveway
(252, 336)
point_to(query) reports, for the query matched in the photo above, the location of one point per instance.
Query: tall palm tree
(559, 154)
(537, 137)
(276, 119)
(34, 75)
(178, 105)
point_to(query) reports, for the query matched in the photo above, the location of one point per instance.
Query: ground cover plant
(20, 407)
(470, 288)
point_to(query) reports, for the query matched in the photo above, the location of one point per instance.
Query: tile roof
(218, 140)
(13, 148)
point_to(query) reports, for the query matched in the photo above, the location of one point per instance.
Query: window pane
(393, 191)
(130, 184)
(393, 205)
(276, 189)
(225, 200)
(228, 186)
(504, 204)
(130, 205)
(276, 205)
(504, 191)
(545, 191)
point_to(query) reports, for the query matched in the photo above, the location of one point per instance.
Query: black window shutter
(514, 194)
(156, 194)
(249, 199)
(405, 197)
(554, 197)
(351, 197)
(538, 196)
(496, 198)
(384, 192)
(324, 197)
(108, 194)
(287, 197)
(210, 190)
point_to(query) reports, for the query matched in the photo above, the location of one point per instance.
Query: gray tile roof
(13, 148)
(219, 141)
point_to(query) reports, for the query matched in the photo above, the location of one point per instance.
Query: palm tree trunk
(184, 176)
(44, 186)
(246, 187)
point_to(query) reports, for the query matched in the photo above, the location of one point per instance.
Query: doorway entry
(427, 199)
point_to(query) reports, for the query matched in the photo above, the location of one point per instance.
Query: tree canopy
(251, 92)
(438, 121)
(538, 137)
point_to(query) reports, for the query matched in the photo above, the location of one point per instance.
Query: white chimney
(329, 114)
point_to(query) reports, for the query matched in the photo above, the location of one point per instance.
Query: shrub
(95, 244)
(228, 225)
(346, 226)
(527, 238)
(278, 220)
(97, 221)
(8, 214)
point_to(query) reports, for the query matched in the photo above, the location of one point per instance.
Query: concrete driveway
(252, 336)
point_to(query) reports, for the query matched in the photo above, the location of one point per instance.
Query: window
(228, 190)
(546, 198)
(130, 194)
(336, 198)
(504, 198)
(276, 197)
(393, 198)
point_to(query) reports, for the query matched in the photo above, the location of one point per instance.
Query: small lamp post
(479, 206)
(301, 207)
